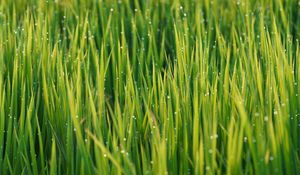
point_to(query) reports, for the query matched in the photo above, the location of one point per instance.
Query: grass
(149, 87)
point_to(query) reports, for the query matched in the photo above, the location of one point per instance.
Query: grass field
(149, 87)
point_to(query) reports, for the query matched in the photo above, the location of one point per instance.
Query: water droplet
(266, 118)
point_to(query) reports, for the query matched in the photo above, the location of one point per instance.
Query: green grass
(149, 87)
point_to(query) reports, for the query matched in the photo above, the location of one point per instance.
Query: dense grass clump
(149, 87)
